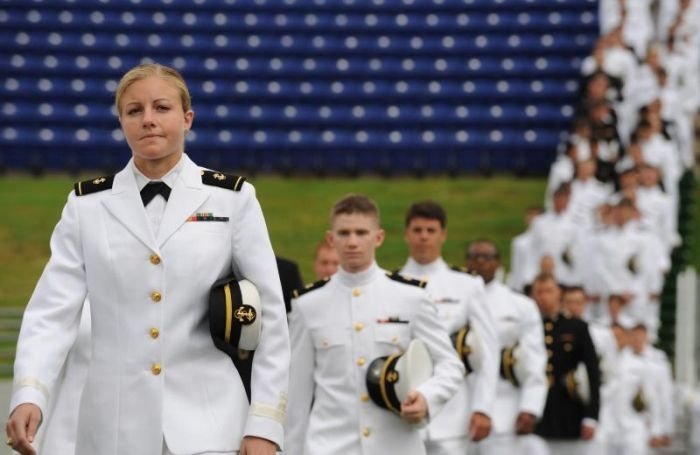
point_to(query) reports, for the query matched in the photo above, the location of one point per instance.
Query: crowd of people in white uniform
(612, 203)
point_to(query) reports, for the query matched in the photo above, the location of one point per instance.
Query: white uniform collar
(362, 278)
(169, 179)
(416, 270)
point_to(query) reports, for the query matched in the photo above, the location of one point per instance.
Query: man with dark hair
(459, 299)
(339, 326)
(569, 416)
(520, 398)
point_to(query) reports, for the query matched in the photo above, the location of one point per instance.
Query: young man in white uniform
(339, 326)
(459, 299)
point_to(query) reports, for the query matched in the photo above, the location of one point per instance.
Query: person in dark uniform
(290, 279)
(570, 414)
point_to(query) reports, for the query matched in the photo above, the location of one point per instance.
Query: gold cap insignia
(245, 314)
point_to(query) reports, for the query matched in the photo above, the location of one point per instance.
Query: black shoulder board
(228, 181)
(309, 287)
(457, 268)
(93, 185)
(396, 276)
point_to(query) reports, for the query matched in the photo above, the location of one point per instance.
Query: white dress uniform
(337, 329)
(624, 428)
(518, 321)
(664, 424)
(155, 374)
(523, 268)
(586, 197)
(60, 425)
(557, 235)
(459, 298)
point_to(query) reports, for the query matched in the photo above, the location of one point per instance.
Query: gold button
(154, 333)
(156, 369)
(394, 339)
(366, 432)
(548, 339)
(324, 344)
(364, 398)
(360, 361)
(359, 326)
(549, 353)
(550, 380)
(550, 368)
(548, 326)
(155, 296)
(155, 260)
(356, 292)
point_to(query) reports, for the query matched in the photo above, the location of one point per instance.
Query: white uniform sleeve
(448, 371)
(301, 383)
(51, 319)
(255, 261)
(534, 390)
(486, 379)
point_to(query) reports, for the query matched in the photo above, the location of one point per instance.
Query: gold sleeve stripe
(80, 188)
(239, 183)
(34, 383)
(263, 410)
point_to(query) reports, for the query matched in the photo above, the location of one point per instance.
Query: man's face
(425, 237)
(561, 202)
(355, 237)
(574, 303)
(547, 294)
(482, 259)
(326, 262)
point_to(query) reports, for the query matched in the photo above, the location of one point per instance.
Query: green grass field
(296, 210)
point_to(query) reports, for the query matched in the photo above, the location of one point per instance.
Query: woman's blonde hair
(146, 70)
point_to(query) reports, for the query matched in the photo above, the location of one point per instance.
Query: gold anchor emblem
(245, 315)
(392, 377)
(99, 180)
(218, 176)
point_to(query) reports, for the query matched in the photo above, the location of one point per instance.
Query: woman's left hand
(253, 445)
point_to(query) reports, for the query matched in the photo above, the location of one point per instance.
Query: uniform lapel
(185, 198)
(127, 208)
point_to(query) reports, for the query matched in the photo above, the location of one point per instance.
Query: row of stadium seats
(307, 22)
(394, 115)
(351, 77)
(299, 67)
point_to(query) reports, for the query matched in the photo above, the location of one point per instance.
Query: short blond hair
(146, 70)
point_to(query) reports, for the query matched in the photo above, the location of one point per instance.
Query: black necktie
(151, 189)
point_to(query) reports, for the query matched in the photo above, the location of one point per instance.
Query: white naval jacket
(518, 320)
(336, 332)
(155, 372)
(459, 299)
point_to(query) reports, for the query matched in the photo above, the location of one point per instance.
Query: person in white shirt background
(519, 400)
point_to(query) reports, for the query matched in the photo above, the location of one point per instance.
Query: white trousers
(502, 444)
(167, 451)
(535, 445)
(454, 446)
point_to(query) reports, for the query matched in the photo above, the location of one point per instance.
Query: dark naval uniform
(568, 344)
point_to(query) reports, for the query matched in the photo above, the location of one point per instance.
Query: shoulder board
(310, 287)
(396, 276)
(93, 185)
(457, 268)
(228, 181)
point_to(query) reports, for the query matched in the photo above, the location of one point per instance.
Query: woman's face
(153, 121)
